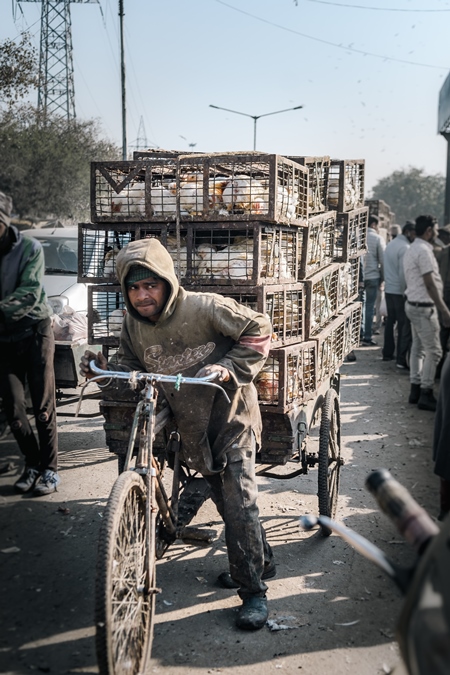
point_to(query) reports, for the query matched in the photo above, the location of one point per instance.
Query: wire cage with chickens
(288, 378)
(99, 245)
(337, 339)
(283, 304)
(243, 253)
(318, 171)
(106, 311)
(318, 243)
(346, 184)
(348, 286)
(243, 186)
(379, 208)
(351, 234)
(321, 298)
(140, 190)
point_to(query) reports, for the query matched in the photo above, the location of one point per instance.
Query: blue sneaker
(27, 480)
(47, 483)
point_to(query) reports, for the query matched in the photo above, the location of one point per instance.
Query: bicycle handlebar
(411, 520)
(136, 376)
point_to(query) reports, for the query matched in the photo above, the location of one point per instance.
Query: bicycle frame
(146, 464)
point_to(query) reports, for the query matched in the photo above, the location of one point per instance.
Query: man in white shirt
(373, 277)
(424, 300)
(394, 289)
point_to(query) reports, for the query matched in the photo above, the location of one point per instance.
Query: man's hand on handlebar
(88, 356)
(223, 374)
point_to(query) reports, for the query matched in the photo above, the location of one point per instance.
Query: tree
(18, 69)
(46, 167)
(411, 193)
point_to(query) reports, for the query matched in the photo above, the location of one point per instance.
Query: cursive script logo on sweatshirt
(168, 365)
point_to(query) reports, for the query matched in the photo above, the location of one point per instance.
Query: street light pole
(255, 118)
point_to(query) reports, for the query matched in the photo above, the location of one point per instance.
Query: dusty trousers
(31, 360)
(426, 348)
(234, 492)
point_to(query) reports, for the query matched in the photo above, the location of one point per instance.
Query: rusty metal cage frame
(253, 244)
(348, 286)
(297, 377)
(318, 172)
(318, 243)
(323, 283)
(379, 208)
(351, 234)
(156, 199)
(98, 243)
(288, 328)
(337, 339)
(97, 306)
(345, 172)
(268, 180)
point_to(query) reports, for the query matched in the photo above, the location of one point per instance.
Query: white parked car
(60, 246)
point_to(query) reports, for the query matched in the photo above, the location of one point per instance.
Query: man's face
(149, 297)
(410, 235)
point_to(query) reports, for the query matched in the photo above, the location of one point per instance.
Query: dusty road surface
(337, 610)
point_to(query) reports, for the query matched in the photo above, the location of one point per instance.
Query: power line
(332, 44)
(376, 9)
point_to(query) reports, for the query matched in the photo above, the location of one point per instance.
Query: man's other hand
(223, 374)
(88, 356)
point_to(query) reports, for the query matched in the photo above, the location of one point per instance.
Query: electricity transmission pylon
(56, 93)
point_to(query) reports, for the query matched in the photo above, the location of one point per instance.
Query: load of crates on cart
(282, 235)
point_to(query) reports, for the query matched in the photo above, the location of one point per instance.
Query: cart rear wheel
(329, 457)
(124, 592)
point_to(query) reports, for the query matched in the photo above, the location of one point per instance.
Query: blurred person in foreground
(443, 257)
(27, 350)
(441, 441)
(373, 277)
(394, 288)
(170, 330)
(424, 301)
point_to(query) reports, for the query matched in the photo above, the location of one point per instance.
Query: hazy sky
(374, 95)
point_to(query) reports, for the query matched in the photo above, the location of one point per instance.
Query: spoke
(130, 601)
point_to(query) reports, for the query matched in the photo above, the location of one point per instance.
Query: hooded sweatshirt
(193, 330)
(23, 302)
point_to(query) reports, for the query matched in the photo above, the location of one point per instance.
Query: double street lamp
(255, 118)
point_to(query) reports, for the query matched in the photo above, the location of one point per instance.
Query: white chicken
(129, 201)
(109, 263)
(115, 321)
(173, 250)
(191, 194)
(243, 193)
(163, 201)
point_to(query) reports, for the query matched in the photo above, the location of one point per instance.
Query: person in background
(423, 301)
(27, 349)
(170, 330)
(394, 288)
(373, 277)
(443, 238)
(394, 231)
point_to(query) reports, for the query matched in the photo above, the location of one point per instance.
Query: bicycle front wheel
(125, 582)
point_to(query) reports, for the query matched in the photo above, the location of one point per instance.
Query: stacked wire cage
(271, 232)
